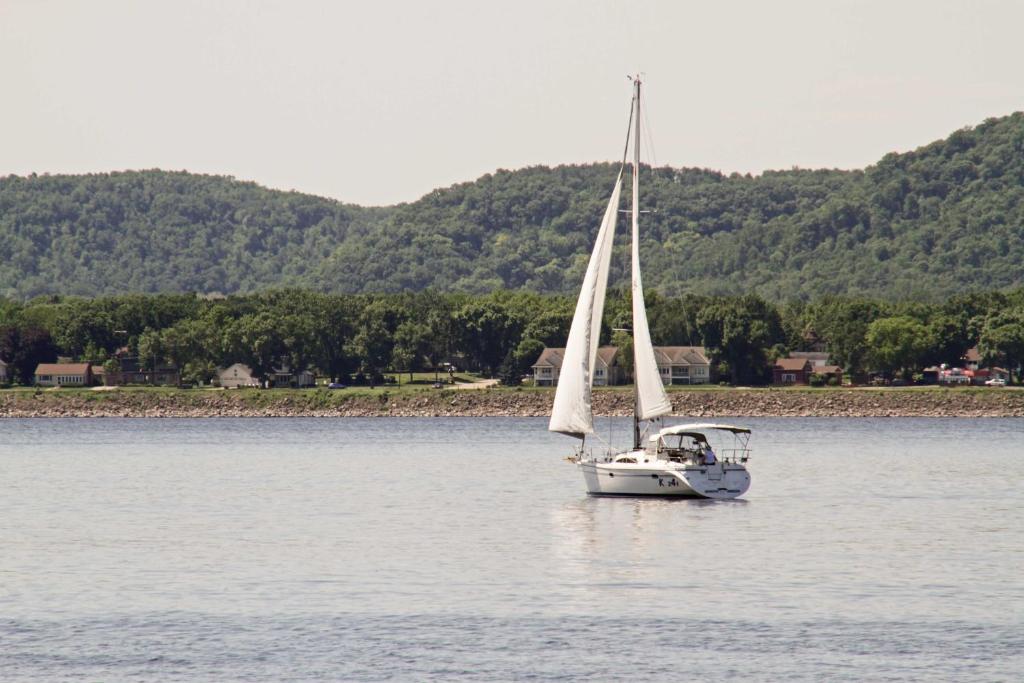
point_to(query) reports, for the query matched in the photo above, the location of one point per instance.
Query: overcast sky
(380, 102)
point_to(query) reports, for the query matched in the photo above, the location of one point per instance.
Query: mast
(636, 218)
(651, 400)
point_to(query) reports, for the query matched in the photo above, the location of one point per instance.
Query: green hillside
(931, 223)
(160, 231)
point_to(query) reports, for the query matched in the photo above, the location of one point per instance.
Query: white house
(236, 376)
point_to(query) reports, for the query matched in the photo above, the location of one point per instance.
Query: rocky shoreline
(511, 403)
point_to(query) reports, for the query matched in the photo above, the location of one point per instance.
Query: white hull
(662, 478)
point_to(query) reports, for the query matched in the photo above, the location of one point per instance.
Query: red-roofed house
(972, 358)
(817, 358)
(830, 372)
(791, 371)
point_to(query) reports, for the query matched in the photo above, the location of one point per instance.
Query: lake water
(466, 548)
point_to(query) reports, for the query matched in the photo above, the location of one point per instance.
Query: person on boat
(709, 455)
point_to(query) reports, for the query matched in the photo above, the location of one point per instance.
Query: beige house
(549, 365)
(236, 376)
(63, 374)
(676, 364)
(683, 364)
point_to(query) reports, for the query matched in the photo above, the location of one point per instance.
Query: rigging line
(607, 444)
(629, 129)
(650, 138)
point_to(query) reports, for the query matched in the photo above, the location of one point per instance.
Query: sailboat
(663, 461)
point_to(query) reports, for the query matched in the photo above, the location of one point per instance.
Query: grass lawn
(423, 382)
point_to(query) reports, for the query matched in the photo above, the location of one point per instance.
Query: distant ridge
(930, 223)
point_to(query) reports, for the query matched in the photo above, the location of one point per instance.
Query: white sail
(651, 400)
(572, 413)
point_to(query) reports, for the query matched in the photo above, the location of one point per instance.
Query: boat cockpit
(685, 444)
(682, 447)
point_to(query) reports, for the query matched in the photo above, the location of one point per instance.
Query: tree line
(498, 334)
(927, 224)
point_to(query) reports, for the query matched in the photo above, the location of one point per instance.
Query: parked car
(337, 385)
(996, 382)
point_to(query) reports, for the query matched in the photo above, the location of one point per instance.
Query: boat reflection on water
(599, 542)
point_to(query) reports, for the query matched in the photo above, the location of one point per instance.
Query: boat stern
(720, 481)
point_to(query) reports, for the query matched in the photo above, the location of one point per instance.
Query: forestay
(572, 413)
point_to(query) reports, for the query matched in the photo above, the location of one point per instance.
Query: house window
(545, 371)
(664, 371)
(599, 372)
(788, 377)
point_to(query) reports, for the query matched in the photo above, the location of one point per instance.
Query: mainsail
(651, 400)
(572, 413)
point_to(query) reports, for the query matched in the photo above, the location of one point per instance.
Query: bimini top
(698, 427)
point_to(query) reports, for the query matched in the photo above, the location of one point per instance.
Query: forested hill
(159, 231)
(942, 219)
